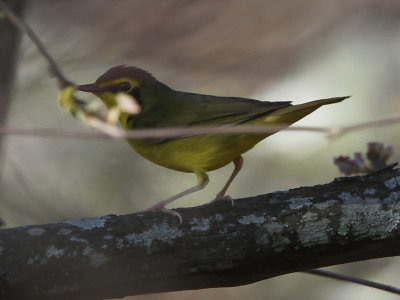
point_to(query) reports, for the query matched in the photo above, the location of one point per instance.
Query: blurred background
(297, 50)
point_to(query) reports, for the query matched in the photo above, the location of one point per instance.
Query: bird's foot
(158, 207)
(224, 198)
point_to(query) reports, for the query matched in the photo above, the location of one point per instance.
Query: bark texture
(349, 219)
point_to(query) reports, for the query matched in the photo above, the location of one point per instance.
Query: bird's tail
(290, 114)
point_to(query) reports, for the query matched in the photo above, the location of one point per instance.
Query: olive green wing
(205, 110)
(187, 109)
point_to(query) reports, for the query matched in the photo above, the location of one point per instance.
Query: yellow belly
(198, 153)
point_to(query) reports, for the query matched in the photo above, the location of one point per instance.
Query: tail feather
(290, 114)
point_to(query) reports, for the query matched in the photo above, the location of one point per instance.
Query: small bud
(113, 115)
(128, 104)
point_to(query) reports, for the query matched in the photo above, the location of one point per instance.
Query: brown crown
(125, 71)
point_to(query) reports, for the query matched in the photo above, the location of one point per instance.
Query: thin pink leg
(238, 162)
(160, 206)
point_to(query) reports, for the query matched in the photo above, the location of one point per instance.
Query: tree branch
(217, 245)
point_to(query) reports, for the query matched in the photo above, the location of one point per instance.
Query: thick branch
(217, 245)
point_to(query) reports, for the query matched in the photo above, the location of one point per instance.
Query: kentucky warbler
(162, 106)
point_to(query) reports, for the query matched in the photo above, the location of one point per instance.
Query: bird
(164, 107)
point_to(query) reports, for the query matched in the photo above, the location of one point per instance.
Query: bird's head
(120, 79)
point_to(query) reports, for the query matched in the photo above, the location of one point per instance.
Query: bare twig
(111, 131)
(339, 131)
(365, 282)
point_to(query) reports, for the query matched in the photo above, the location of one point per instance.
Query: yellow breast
(198, 153)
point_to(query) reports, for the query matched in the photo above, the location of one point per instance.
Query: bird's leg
(202, 181)
(238, 162)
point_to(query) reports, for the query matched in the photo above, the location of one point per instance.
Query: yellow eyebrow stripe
(131, 81)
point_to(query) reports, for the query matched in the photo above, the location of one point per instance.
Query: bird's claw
(174, 213)
(166, 210)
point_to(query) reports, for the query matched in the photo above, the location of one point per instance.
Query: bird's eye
(124, 86)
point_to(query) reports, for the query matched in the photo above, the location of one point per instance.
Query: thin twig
(53, 67)
(365, 282)
(336, 132)
(113, 132)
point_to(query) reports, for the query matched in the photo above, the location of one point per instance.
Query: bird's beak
(90, 88)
